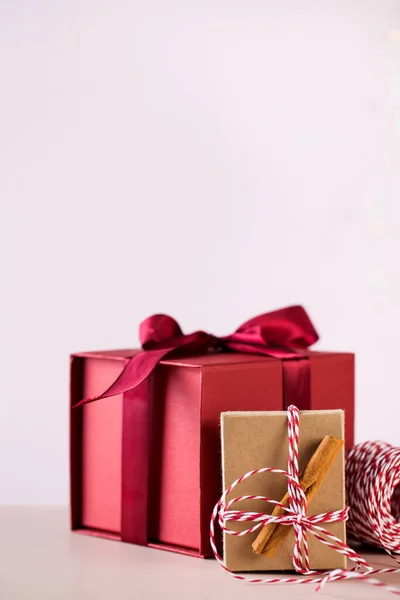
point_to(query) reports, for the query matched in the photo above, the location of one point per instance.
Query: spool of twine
(373, 495)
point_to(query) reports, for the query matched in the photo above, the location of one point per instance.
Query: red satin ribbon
(283, 334)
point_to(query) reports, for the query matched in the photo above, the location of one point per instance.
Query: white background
(211, 159)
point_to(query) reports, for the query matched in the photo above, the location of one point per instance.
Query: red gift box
(145, 463)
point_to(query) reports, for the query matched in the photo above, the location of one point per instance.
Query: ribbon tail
(135, 372)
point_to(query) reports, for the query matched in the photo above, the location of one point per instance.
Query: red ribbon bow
(283, 334)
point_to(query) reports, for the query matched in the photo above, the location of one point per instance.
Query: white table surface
(40, 559)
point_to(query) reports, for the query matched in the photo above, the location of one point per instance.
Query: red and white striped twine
(373, 492)
(373, 499)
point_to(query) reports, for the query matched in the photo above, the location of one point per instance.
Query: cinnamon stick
(273, 534)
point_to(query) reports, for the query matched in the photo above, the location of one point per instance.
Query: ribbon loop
(288, 327)
(158, 329)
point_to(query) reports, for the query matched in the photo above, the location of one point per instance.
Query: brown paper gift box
(253, 440)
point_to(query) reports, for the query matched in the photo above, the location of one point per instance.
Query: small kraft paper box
(145, 456)
(253, 440)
